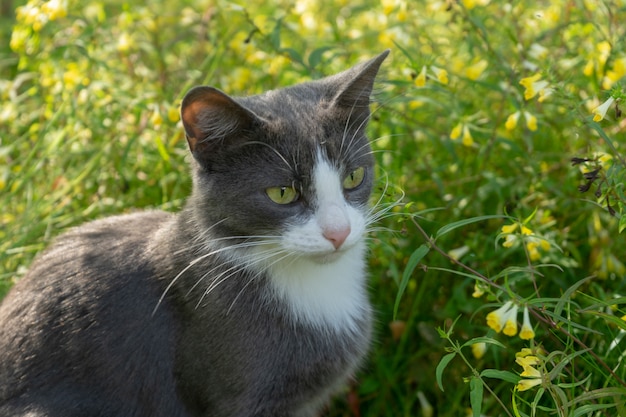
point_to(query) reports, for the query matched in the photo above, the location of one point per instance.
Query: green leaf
(441, 367)
(568, 294)
(616, 321)
(414, 260)
(588, 409)
(293, 55)
(450, 227)
(274, 37)
(315, 57)
(483, 339)
(597, 394)
(476, 395)
(452, 271)
(502, 375)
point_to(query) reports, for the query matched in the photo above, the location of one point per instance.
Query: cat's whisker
(259, 273)
(347, 125)
(356, 130)
(200, 239)
(361, 125)
(367, 119)
(199, 259)
(373, 151)
(379, 230)
(251, 261)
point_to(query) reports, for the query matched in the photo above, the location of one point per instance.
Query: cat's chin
(327, 258)
(330, 257)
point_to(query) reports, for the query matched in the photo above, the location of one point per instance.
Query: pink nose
(337, 237)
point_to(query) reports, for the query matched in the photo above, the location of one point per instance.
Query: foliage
(501, 124)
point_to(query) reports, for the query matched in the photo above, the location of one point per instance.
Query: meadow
(498, 277)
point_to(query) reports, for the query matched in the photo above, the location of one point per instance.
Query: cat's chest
(324, 295)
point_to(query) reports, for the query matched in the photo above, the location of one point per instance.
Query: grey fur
(156, 314)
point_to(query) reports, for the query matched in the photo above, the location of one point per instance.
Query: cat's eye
(354, 179)
(282, 195)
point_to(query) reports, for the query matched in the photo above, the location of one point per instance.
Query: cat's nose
(337, 236)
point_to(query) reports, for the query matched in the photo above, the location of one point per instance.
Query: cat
(249, 302)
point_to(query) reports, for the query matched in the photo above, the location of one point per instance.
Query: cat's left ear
(357, 83)
(212, 119)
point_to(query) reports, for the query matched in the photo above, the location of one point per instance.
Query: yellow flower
(502, 318)
(459, 252)
(527, 361)
(526, 384)
(124, 42)
(527, 331)
(530, 372)
(523, 353)
(462, 131)
(388, 6)
(173, 114)
(156, 119)
(479, 349)
(479, 290)
(511, 237)
(470, 4)
(474, 71)
(441, 74)
(31, 15)
(510, 321)
(456, 131)
(509, 228)
(589, 68)
(415, 104)
(73, 76)
(19, 37)
(277, 65)
(55, 9)
(420, 80)
(467, 137)
(600, 111)
(533, 253)
(533, 85)
(531, 121)
(615, 74)
(511, 121)
(509, 241)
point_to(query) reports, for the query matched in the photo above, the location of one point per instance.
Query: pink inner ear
(190, 121)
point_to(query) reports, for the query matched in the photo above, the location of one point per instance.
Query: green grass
(88, 128)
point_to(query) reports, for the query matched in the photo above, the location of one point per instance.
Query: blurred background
(499, 139)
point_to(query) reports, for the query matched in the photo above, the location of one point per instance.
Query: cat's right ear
(212, 119)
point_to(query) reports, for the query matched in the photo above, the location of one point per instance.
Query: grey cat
(249, 302)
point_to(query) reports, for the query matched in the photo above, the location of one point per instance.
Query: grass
(492, 210)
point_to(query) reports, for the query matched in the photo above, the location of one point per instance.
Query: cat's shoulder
(112, 231)
(123, 224)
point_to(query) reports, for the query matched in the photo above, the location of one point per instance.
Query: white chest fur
(327, 295)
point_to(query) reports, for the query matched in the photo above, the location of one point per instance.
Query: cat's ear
(211, 118)
(357, 83)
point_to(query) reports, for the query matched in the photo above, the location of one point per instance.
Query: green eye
(282, 195)
(354, 179)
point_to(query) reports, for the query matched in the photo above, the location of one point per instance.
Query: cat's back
(93, 256)
(86, 307)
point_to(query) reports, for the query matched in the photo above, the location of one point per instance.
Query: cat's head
(290, 169)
